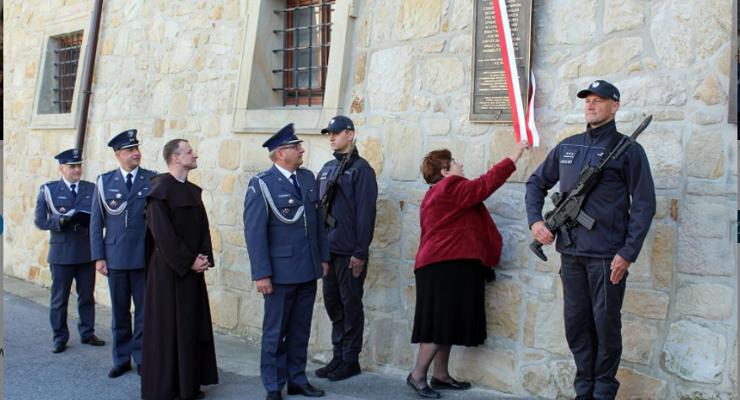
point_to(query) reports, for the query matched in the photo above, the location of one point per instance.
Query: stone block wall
(170, 69)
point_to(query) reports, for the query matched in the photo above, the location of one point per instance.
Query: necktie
(73, 188)
(295, 185)
(129, 181)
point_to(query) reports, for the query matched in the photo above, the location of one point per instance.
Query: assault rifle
(568, 212)
(328, 199)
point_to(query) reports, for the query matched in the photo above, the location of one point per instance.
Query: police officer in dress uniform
(118, 206)
(63, 209)
(288, 252)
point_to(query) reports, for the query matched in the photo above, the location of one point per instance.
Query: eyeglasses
(292, 146)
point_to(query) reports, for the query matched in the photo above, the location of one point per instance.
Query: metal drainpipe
(87, 72)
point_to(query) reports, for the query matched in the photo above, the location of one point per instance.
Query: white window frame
(67, 120)
(267, 119)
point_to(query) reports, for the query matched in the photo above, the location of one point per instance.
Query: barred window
(67, 58)
(60, 73)
(306, 41)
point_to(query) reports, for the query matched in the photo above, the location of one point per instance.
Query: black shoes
(344, 371)
(58, 348)
(94, 341)
(451, 384)
(119, 370)
(274, 396)
(306, 390)
(323, 372)
(138, 372)
(423, 391)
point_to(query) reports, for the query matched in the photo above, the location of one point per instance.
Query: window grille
(305, 55)
(67, 56)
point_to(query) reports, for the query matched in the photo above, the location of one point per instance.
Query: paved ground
(80, 373)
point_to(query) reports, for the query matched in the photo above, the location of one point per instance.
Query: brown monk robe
(178, 352)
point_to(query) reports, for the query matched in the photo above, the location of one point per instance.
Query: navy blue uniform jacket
(622, 203)
(68, 243)
(288, 253)
(356, 193)
(122, 245)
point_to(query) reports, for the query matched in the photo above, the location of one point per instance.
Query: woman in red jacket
(459, 243)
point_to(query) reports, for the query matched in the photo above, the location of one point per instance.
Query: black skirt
(450, 303)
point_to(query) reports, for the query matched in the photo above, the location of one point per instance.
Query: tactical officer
(348, 184)
(594, 266)
(118, 206)
(288, 252)
(63, 209)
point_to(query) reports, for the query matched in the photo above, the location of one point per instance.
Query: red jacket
(454, 222)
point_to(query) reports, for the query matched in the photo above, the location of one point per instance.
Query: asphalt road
(33, 372)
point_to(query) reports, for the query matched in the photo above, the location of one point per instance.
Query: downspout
(87, 73)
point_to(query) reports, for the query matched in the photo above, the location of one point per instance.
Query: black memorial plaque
(489, 97)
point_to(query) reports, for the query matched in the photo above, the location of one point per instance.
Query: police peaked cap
(69, 157)
(124, 140)
(284, 136)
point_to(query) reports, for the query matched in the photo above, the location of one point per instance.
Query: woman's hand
(519, 149)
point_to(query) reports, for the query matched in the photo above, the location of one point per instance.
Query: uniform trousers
(592, 311)
(124, 285)
(343, 301)
(61, 285)
(286, 328)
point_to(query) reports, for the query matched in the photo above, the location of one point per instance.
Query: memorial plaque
(490, 97)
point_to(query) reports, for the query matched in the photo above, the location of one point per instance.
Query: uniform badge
(113, 203)
(62, 209)
(286, 211)
(118, 195)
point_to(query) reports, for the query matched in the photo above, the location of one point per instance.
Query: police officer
(355, 192)
(288, 252)
(63, 209)
(594, 267)
(118, 206)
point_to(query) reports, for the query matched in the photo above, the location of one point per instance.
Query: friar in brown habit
(178, 352)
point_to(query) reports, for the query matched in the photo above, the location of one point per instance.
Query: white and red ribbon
(524, 126)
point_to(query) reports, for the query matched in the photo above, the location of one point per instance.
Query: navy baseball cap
(602, 89)
(338, 124)
(69, 157)
(284, 136)
(124, 140)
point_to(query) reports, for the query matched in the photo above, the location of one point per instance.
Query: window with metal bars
(306, 40)
(66, 58)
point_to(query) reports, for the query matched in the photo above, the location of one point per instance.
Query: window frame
(76, 23)
(252, 113)
(291, 94)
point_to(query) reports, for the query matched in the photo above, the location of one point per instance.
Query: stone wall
(170, 69)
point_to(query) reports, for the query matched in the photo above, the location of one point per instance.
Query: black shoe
(451, 384)
(138, 372)
(119, 370)
(323, 372)
(94, 341)
(59, 348)
(424, 391)
(306, 390)
(345, 370)
(274, 396)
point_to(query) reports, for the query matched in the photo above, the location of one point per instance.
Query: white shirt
(69, 185)
(133, 173)
(287, 174)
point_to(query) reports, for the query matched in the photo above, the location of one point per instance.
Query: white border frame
(306, 119)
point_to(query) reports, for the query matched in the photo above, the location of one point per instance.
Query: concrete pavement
(33, 372)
